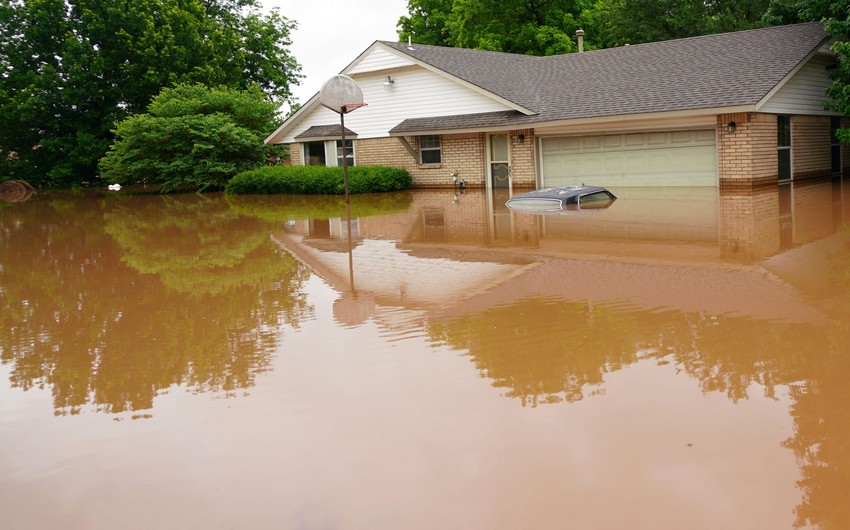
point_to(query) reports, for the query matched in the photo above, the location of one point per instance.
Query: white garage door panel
(683, 158)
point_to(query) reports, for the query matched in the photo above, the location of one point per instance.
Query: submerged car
(563, 199)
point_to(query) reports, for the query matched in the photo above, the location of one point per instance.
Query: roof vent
(409, 42)
(580, 39)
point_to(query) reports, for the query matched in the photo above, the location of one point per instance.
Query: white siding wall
(379, 59)
(416, 93)
(804, 93)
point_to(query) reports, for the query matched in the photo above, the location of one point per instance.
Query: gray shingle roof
(462, 121)
(723, 70)
(326, 131)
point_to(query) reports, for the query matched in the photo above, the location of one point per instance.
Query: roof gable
(739, 71)
(722, 70)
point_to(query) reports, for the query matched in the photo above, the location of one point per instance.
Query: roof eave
(778, 86)
(585, 122)
(290, 122)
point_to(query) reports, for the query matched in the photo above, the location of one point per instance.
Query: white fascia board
(763, 101)
(447, 75)
(290, 122)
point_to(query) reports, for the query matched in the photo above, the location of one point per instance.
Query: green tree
(192, 136)
(70, 70)
(835, 14)
(546, 27)
(534, 27)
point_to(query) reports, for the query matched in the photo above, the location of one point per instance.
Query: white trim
(489, 161)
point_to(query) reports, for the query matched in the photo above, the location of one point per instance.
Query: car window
(600, 199)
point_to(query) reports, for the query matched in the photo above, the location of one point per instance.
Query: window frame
(427, 147)
(783, 148)
(349, 152)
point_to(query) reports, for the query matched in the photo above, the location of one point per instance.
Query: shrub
(192, 136)
(319, 180)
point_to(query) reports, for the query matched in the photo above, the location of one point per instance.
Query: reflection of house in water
(688, 250)
(763, 222)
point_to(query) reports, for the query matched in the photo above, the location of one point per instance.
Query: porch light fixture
(520, 138)
(388, 81)
(730, 127)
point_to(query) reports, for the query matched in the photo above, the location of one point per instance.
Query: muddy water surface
(677, 360)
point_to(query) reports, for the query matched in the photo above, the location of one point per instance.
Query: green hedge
(319, 180)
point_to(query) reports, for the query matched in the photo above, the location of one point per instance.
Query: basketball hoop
(342, 95)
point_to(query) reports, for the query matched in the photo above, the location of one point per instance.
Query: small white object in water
(114, 187)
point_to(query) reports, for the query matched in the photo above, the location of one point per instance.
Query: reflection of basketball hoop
(342, 94)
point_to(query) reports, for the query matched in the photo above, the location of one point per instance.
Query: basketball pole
(342, 112)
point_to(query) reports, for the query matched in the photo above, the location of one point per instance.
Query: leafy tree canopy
(547, 27)
(835, 15)
(70, 70)
(192, 136)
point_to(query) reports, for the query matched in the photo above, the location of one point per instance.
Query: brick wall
(523, 173)
(295, 154)
(464, 154)
(810, 147)
(747, 157)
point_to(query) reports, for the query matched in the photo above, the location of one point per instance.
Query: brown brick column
(747, 158)
(523, 174)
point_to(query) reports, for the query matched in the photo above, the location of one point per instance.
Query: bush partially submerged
(319, 180)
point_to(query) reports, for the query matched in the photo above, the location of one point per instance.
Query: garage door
(681, 158)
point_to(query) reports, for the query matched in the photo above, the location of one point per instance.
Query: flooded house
(734, 110)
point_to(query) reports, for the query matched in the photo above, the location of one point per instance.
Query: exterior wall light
(730, 127)
(520, 138)
(388, 81)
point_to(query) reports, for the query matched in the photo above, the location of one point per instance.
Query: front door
(500, 174)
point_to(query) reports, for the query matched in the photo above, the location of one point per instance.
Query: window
(349, 152)
(314, 153)
(783, 146)
(835, 124)
(430, 149)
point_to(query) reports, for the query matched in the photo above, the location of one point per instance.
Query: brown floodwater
(426, 360)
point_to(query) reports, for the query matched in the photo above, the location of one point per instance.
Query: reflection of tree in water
(543, 351)
(205, 312)
(821, 440)
(548, 351)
